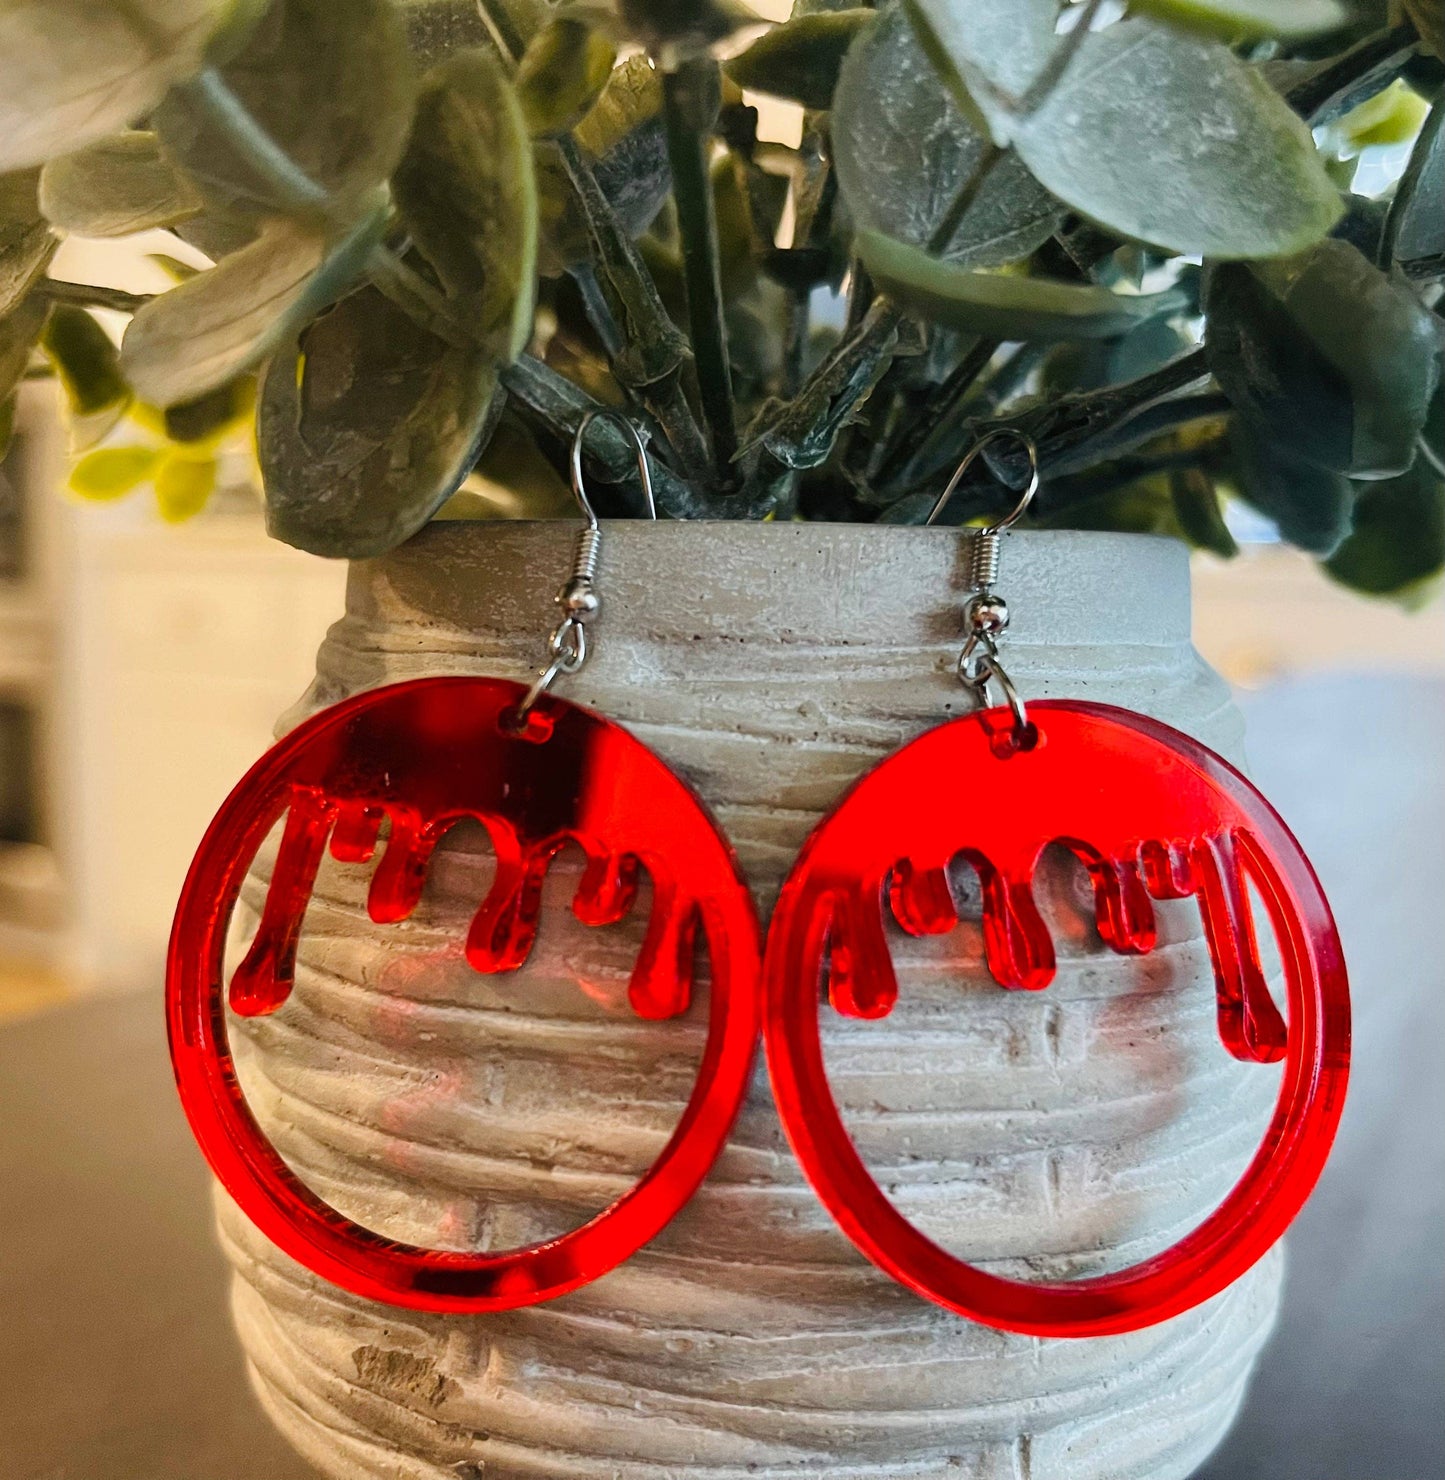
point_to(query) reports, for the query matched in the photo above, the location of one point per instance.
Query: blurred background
(142, 666)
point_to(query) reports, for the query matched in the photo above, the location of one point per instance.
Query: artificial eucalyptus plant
(442, 230)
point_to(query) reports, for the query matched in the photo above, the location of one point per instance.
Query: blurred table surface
(117, 1361)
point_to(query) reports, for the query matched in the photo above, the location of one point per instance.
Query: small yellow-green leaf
(1196, 508)
(330, 82)
(469, 196)
(26, 243)
(112, 472)
(72, 71)
(562, 74)
(1236, 20)
(225, 321)
(115, 187)
(85, 359)
(183, 484)
(800, 59)
(7, 424)
(1003, 305)
(1392, 116)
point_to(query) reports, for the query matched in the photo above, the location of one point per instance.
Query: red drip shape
(421, 757)
(1152, 815)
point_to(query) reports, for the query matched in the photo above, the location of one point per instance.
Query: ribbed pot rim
(851, 584)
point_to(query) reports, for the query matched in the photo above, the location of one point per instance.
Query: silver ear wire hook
(567, 648)
(987, 612)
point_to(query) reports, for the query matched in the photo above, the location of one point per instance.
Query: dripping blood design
(1143, 830)
(421, 770)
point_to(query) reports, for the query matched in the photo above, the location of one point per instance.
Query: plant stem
(1058, 63)
(502, 29)
(937, 412)
(654, 353)
(594, 303)
(691, 96)
(87, 295)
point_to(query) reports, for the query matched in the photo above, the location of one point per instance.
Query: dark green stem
(86, 295)
(691, 98)
(1058, 62)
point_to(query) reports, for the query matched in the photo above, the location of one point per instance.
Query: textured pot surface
(1047, 1134)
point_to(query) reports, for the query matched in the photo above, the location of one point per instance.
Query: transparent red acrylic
(1152, 814)
(419, 757)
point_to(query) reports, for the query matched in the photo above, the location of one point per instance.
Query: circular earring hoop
(1153, 815)
(423, 755)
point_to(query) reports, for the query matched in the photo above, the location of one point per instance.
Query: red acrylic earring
(1152, 814)
(538, 773)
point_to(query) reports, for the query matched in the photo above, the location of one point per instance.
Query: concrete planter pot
(1061, 1133)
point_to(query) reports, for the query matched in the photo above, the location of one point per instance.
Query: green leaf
(1149, 132)
(19, 330)
(72, 71)
(1004, 305)
(1391, 116)
(562, 74)
(112, 472)
(211, 416)
(1310, 505)
(1237, 20)
(227, 320)
(329, 82)
(799, 59)
(1196, 508)
(26, 243)
(469, 197)
(624, 141)
(1322, 350)
(115, 187)
(184, 483)
(1414, 234)
(1397, 547)
(367, 425)
(903, 151)
(85, 359)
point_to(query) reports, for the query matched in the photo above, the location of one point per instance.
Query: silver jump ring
(989, 667)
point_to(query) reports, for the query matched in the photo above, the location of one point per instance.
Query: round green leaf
(72, 71)
(329, 82)
(222, 322)
(1309, 504)
(1149, 132)
(800, 59)
(562, 74)
(1234, 20)
(115, 187)
(1003, 305)
(1325, 353)
(903, 151)
(469, 196)
(26, 243)
(1397, 546)
(367, 424)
